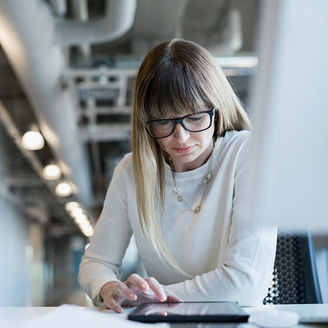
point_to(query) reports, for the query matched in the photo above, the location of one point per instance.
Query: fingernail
(133, 296)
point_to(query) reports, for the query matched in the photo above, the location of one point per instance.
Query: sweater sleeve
(245, 273)
(112, 234)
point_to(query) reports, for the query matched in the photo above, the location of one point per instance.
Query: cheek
(162, 144)
(207, 136)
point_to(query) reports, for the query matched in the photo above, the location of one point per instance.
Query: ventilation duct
(118, 19)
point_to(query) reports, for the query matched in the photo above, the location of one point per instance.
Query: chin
(186, 158)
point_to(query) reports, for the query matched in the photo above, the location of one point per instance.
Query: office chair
(295, 279)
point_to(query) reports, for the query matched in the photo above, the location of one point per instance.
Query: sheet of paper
(308, 313)
(75, 316)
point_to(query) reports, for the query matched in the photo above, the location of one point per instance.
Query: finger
(111, 304)
(157, 288)
(122, 290)
(174, 299)
(137, 281)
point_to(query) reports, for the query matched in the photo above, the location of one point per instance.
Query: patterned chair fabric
(294, 279)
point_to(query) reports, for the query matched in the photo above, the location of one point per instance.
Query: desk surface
(14, 317)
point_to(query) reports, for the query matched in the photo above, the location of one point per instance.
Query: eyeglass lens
(193, 123)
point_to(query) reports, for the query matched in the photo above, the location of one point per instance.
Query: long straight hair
(174, 78)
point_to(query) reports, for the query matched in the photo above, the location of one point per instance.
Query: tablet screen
(189, 312)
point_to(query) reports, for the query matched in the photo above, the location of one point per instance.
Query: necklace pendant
(197, 209)
(207, 178)
(179, 198)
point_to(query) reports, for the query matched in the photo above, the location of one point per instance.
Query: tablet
(189, 312)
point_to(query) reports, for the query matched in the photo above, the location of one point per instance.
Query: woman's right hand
(133, 291)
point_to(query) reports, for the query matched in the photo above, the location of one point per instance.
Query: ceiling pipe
(28, 38)
(118, 19)
(233, 35)
(80, 12)
(160, 22)
(59, 7)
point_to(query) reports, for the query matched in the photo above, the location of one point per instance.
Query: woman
(179, 192)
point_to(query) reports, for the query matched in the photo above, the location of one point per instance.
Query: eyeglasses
(198, 122)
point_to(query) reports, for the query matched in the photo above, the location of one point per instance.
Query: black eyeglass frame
(180, 120)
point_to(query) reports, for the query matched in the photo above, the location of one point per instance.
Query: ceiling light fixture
(87, 231)
(75, 212)
(70, 205)
(64, 189)
(80, 218)
(33, 140)
(52, 172)
(84, 224)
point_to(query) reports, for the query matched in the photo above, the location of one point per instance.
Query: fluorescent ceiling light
(51, 172)
(70, 205)
(76, 211)
(80, 218)
(64, 189)
(87, 231)
(84, 224)
(32, 140)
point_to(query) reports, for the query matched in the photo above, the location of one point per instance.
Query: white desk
(14, 317)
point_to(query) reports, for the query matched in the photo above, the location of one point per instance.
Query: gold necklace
(206, 180)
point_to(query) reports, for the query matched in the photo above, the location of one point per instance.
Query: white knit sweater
(228, 259)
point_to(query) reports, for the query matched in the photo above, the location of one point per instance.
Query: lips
(184, 150)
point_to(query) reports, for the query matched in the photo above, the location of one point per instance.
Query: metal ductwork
(161, 21)
(118, 19)
(29, 36)
(233, 36)
(59, 7)
(29, 41)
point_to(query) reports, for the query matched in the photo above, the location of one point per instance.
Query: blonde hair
(174, 77)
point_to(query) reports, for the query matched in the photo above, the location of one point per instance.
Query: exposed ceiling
(68, 67)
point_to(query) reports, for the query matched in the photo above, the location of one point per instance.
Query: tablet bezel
(235, 314)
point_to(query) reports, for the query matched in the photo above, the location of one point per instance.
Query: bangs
(175, 90)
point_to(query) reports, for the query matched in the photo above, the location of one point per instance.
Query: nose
(181, 133)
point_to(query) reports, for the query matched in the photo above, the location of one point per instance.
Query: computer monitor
(287, 172)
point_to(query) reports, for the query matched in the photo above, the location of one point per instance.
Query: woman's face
(188, 150)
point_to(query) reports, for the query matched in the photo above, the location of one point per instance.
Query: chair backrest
(295, 278)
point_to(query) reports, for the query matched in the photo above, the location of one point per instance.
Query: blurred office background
(67, 71)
